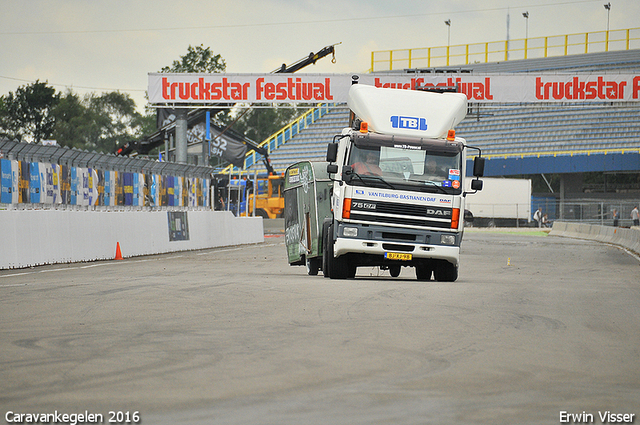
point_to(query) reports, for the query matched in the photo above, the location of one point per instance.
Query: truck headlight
(448, 239)
(351, 232)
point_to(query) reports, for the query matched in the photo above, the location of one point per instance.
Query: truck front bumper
(345, 246)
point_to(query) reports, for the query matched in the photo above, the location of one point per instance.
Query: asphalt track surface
(534, 326)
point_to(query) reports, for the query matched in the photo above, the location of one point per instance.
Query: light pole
(448, 23)
(526, 33)
(608, 7)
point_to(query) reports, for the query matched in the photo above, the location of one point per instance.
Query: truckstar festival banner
(206, 89)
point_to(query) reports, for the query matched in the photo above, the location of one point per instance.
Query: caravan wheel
(313, 266)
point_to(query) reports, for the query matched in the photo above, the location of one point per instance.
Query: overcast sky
(108, 45)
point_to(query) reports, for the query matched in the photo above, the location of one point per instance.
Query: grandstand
(522, 138)
(549, 128)
(311, 143)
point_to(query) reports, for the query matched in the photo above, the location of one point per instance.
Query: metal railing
(588, 211)
(556, 153)
(497, 51)
(598, 211)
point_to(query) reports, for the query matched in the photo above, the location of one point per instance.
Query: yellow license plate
(397, 256)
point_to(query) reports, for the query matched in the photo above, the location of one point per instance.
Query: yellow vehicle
(269, 199)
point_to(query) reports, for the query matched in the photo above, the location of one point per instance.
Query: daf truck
(392, 192)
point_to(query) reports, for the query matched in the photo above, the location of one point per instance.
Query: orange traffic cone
(118, 252)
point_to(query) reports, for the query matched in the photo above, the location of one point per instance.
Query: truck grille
(400, 215)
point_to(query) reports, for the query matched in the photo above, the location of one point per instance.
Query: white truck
(392, 191)
(503, 202)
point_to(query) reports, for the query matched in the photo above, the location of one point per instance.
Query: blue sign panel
(6, 185)
(35, 188)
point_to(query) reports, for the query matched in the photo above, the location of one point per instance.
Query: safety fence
(497, 51)
(39, 177)
(600, 212)
(604, 212)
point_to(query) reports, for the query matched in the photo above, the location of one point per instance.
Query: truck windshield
(426, 170)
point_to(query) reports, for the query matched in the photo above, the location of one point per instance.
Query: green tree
(117, 117)
(99, 122)
(3, 118)
(197, 59)
(27, 114)
(76, 125)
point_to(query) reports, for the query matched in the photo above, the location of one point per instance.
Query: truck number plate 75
(397, 256)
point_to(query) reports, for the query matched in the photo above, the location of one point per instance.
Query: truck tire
(424, 271)
(446, 272)
(351, 274)
(262, 213)
(325, 245)
(394, 271)
(337, 267)
(313, 266)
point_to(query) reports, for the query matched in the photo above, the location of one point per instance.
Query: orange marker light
(346, 208)
(364, 127)
(451, 135)
(455, 218)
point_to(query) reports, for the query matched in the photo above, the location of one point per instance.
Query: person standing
(635, 216)
(537, 216)
(616, 217)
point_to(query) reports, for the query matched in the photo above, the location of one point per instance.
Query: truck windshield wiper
(434, 184)
(376, 178)
(430, 184)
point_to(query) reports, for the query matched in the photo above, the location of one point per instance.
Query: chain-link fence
(600, 212)
(38, 176)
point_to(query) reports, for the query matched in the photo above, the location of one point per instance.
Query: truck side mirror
(347, 173)
(332, 168)
(476, 184)
(478, 166)
(332, 152)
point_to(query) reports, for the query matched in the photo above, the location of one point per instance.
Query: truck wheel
(424, 272)
(325, 248)
(313, 265)
(446, 272)
(394, 271)
(262, 213)
(338, 267)
(352, 272)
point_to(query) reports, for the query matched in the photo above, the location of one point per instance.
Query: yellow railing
(559, 153)
(498, 51)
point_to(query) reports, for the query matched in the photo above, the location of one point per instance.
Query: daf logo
(438, 212)
(364, 206)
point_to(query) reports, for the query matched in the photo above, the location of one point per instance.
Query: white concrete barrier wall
(36, 237)
(627, 238)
